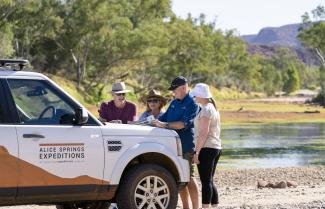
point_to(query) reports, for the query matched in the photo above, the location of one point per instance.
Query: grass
(251, 112)
(315, 148)
(234, 105)
(233, 94)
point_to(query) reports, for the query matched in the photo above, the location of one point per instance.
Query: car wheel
(147, 186)
(85, 205)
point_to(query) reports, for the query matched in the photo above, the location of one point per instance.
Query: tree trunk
(84, 59)
(78, 67)
(84, 63)
(78, 71)
(322, 75)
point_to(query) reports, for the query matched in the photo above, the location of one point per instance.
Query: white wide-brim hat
(201, 90)
(118, 88)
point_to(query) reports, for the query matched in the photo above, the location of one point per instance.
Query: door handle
(33, 136)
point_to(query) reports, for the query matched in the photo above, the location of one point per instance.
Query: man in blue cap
(180, 117)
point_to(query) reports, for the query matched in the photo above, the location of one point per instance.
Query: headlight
(179, 146)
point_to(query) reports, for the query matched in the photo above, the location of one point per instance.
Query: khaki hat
(119, 88)
(155, 94)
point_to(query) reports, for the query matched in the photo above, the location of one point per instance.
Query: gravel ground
(238, 189)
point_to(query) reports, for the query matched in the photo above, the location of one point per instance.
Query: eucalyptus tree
(7, 8)
(292, 82)
(290, 69)
(312, 35)
(36, 24)
(270, 78)
(191, 51)
(242, 68)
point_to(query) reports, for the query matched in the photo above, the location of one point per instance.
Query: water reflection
(273, 145)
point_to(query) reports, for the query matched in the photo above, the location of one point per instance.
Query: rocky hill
(269, 39)
(276, 36)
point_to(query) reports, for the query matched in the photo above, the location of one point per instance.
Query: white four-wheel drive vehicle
(54, 151)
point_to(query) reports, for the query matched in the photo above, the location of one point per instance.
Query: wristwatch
(167, 125)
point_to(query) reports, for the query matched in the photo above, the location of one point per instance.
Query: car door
(8, 153)
(58, 159)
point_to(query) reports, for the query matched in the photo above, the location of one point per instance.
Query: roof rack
(13, 63)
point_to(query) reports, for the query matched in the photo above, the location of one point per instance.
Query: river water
(273, 145)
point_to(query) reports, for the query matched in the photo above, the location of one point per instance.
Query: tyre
(85, 205)
(147, 186)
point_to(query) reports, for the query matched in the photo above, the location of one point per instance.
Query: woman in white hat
(207, 143)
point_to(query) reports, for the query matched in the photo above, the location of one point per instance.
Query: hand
(196, 158)
(158, 123)
(115, 121)
(150, 118)
(102, 119)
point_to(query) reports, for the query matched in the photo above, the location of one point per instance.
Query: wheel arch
(148, 153)
(154, 158)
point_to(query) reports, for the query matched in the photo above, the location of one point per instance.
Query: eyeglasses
(120, 94)
(152, 100)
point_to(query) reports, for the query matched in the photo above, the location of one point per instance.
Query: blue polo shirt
(183, 110)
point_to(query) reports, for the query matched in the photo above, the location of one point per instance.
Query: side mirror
(81, 116)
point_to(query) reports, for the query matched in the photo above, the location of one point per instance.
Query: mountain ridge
(269, 39)
(285, 35)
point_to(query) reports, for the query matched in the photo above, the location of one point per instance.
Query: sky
(247, 16)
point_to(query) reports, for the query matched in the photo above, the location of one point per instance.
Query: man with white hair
(180, 117)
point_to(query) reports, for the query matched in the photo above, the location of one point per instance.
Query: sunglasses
(152, 100)
(120, 94)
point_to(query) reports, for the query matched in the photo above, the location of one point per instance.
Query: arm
(133, 113)
(171, 125)
(143, 116)
(188, 118)
(162, 122)
(203, 133)
(185, 122)
(202, 137)
(102, 112)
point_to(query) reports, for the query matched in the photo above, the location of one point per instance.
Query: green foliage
(6, 38)
(7, 8)
(269, 77)
(97, 42)
(321, 96)
(292, 81)
(312, 35)
(309, 77)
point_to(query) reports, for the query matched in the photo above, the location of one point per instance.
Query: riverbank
(271, 110)
(238, 189)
